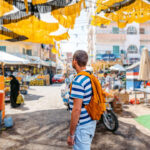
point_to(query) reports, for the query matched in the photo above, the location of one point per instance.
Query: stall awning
(117, 67)
(51, 63)
(37, 61)
(7, 58)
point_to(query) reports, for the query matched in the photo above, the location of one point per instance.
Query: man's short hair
(81, 57)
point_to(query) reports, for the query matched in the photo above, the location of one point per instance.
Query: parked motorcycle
(109, 118)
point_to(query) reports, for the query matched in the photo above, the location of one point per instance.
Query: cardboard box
(124, 98)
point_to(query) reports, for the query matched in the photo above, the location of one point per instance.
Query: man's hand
(70, 141)
(74, 119)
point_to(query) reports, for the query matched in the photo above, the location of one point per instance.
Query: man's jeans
(84, 135)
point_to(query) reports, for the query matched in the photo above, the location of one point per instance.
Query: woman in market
(14, 91)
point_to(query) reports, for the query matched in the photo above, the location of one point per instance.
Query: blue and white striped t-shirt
(81, 89)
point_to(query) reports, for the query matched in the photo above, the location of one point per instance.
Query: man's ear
(75, 62)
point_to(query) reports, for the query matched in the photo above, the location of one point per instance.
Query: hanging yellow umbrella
(66, 16)
(5, 7)
(31, 28)
(34, 29)
(3, 37)
(122, 12)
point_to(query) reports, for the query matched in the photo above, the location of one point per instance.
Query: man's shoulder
(81, 79)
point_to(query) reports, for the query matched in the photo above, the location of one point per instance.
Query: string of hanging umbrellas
(39, 21)
(121, 11)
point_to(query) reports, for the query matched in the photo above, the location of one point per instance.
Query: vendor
(108, 82)
(14, 91)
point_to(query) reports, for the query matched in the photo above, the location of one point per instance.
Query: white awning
(117, 67)
(7, 58)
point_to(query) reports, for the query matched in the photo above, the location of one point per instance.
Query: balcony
(145, 37)
(104, 37)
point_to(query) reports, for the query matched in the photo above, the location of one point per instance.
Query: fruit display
(37, 82)
(40, 80)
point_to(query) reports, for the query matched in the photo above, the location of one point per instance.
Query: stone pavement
(43, 124)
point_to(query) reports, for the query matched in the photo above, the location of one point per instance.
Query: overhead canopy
(11, 59)
(121, 11)
(38, 20)
(37, 61)
(34, 60)
(118, 67)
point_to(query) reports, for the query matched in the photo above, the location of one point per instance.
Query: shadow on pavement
(42, 130)
(127, 114)
(48, 130)
(22, 107)
(31, 97)
(126, 138)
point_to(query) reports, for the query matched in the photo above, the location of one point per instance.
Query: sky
(78, 36)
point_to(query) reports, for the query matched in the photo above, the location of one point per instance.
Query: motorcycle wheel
(110, 121)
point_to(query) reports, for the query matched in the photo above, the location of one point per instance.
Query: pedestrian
(27, 78)
(82, 127)
(14, 91)
(51, 77)
(108, 82)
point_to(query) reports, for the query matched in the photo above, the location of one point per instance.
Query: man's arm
(75, 115)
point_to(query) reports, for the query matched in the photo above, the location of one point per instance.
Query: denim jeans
(84, 135)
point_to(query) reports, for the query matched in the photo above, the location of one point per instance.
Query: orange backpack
(96, 107)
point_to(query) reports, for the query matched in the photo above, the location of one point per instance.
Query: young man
(108, 81)
(82, 127)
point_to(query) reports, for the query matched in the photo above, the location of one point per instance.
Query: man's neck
(80, 69)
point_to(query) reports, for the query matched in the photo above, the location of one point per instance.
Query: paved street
(43, 124)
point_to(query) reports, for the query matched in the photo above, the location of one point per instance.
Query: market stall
(40, 80)
(8, 59)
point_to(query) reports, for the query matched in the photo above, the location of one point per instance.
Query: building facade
(91, 34)
(27, 48)
(127, 43)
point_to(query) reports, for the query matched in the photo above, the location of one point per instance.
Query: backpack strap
(85, 73)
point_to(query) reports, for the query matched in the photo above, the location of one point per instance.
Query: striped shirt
(81, 89)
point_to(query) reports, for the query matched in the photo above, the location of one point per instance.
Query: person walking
(108, 83)
(82, 127)
(14, 91)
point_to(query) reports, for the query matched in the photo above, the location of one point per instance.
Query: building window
(131, 30)
(123, 51)
(115, 30)
(142, 31)
(3, 48)
(24, 51)
(29, 52)
(132, 49)
(116, 50)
